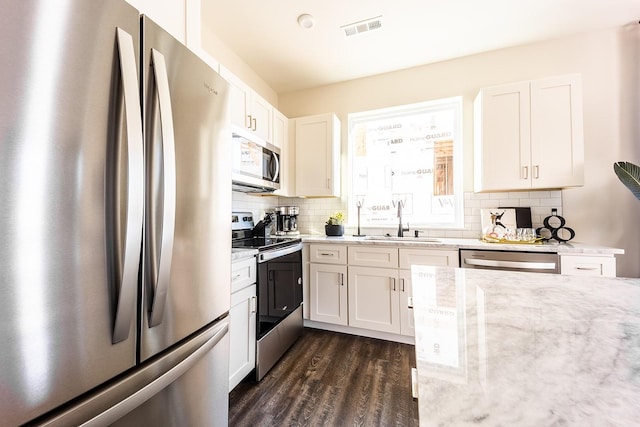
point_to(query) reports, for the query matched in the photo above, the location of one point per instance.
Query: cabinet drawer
(371, 256)
(409, 257)
(588, 266)
(328, 254)
(243, 273)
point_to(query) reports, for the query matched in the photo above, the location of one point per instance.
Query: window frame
(433, 106)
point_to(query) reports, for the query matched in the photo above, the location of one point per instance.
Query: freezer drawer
(188, 386)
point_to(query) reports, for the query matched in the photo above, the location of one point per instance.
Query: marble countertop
(507, 348)
(450, 243)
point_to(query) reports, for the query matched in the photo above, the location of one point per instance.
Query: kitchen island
(508, 348)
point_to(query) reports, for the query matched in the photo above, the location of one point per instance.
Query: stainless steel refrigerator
(114, 240)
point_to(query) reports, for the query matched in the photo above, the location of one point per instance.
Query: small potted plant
(334, 225)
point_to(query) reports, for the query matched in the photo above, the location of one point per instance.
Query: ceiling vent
(362, 26)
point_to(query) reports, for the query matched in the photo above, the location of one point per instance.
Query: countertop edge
(461, 243)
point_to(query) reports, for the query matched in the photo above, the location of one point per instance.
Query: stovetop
(263, 244)
(245, 236)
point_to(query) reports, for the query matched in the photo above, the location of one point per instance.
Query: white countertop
(449, 243)
(508, 348)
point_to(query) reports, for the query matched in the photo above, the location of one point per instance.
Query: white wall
(211, 44)
(602, 212)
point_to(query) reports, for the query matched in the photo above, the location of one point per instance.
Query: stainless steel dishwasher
(534, 262)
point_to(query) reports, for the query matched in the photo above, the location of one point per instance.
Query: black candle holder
(553, 225)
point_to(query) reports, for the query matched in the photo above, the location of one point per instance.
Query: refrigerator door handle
(168, 191)
(125, 307)
(131, 402)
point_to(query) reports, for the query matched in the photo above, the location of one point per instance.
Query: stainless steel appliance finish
(287, 220)
(535, 262)
(277, 341)
(279, 288)
(74, 201)
(256, 166)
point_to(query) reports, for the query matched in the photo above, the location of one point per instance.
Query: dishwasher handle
(497, 264)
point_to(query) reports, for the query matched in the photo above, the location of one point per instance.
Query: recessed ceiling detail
(360, 27)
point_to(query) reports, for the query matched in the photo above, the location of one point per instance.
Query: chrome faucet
(401, 229)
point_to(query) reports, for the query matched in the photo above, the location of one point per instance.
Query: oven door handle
(510, 264)
(276, 253)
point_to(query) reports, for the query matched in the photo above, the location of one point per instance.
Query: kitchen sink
(403, 239)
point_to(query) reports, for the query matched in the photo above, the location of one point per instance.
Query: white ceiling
(266, 35)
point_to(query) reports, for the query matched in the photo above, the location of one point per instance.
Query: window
(409, 156)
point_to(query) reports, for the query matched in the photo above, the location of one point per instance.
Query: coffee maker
(287, 220)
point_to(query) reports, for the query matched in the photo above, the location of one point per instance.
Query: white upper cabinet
(280, 139)
(529, 135)
(251, 115)
(317, 156)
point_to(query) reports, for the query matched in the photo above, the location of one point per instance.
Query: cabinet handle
(329, 183)
(237, 276)
(250, 121)
(341, 279)
(254, 299)
(393, 280)
(587, 268)
(402, 285)
(255, 124)
(536, 170)
(525, 172)
(414, 383)
(326, 254)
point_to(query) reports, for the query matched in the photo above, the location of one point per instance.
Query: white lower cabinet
(588, 265)
(242, 320)
(368, 286)
(328, 288)
(407, 322)
(374, 301)
(411, 256)
(242, 335)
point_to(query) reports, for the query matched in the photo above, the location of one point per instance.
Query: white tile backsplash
(314, 212)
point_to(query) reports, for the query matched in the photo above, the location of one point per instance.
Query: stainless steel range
(279, 285)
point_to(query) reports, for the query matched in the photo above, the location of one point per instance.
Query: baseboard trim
(359, 331)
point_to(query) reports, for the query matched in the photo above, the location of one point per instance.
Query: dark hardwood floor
(331, 379)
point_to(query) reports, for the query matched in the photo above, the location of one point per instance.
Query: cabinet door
(557, 153)
(502, 138)
(318, 156)
(280, 130)
(242, 335)
(238, 100)
(328, 299)
(260, 117)
(374, 300)
(280, 139)
(407, 322)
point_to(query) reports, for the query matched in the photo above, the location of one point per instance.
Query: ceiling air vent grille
(362, 26)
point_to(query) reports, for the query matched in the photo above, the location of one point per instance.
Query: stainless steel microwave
(256, 166)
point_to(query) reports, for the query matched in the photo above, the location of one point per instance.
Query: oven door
(279, 288)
